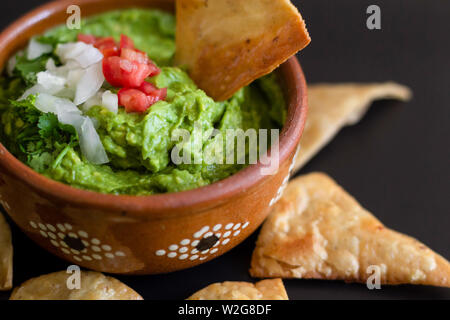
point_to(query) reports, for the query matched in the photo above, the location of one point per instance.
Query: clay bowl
(142, 235)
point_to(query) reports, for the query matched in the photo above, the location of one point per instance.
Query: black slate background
(395, 162)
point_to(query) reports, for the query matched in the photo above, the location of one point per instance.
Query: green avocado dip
(138, 145)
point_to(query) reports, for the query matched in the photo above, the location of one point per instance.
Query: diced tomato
(133, 100)
(107, 46)
(121, 72)
(112, 71)
(161, 96)
(139, 100)
(153, 92)
(148, 88)
(87, 38)
(140, 57)
(127, 67)
(105, 42)
(110, 52)
(134, 55)
(154, 69)
(126, 42)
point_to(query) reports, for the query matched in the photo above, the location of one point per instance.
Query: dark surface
(395, 162)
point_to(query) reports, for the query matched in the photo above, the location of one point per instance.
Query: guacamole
(138, 145)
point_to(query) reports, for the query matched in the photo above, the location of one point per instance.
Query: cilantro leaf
(25, 109)
(28, 69)
(47, 124)
(37, 138)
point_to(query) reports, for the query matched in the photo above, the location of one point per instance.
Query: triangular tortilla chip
(317, 230)
(93, 286)
(272, 289)
(228, 44)
(334, 106)
(6, 255)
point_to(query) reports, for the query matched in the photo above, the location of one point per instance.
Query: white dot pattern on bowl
(285, 180)
(83, 234)
(183, 250)
(201, 232)
(185, 242)
(53, 242)
(195, 243)
(204, 243)
(209, 234)
(85, 248)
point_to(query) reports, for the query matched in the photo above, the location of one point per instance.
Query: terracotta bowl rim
(156, 206)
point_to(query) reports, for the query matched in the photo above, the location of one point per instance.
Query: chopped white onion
(95, 122)
(52, 83)
(68, 51)
(96, 100)
(48, 103)
(79, 79)
(74, 76)
(84, 54)
(90, 143)
(89, 57)
(110, 101)
(74, 119)
(33, 90)
(68, 113)
(89, 83)
(64, 70)
(50, 65)
(68, 93)
(37, 49)
(38, 88)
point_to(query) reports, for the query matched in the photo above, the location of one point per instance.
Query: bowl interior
(41, 19)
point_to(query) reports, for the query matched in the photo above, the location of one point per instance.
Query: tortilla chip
(6, 255)
(334, 106)
(264, 290)
(317, 230)
(228, 44)
(94, 286)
